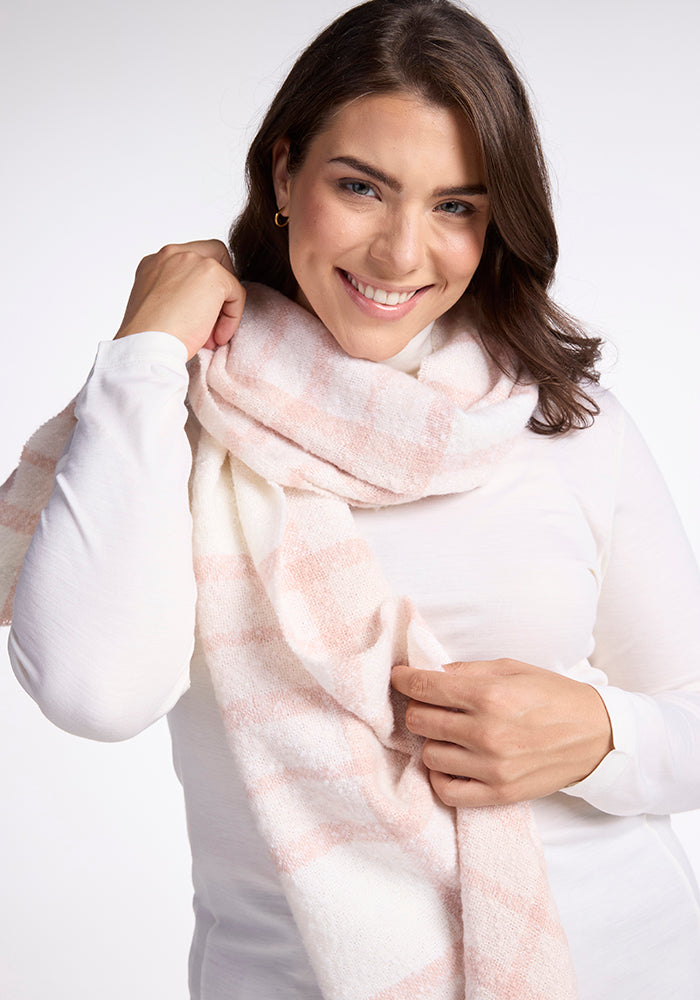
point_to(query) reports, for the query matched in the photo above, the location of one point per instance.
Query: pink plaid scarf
(396, 896)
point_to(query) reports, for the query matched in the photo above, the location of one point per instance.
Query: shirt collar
(409, 358)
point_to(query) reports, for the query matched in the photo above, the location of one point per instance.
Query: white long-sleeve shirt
(572, 552)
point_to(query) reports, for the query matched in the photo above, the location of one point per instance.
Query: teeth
(378, 294)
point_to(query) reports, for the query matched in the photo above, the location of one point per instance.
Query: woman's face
(387, 219)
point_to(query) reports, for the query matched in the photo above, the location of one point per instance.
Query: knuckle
(145, 264)
(505, 793)
(169, 250)
(446, 796)
(492, 699)
(412, 717)
(180, 257)
(193, 259)
(505, 663)
(455, 727)
(418, 686)
(430, 755)
(210, 264)
(497, 793)
(216, 274)
(451, 793)
(507, 775)
(501, 774)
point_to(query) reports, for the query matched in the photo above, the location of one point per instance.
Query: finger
(224, 257)
(468, 792)
(205, 248)
(461, 762)
(220, 252)
(437, 723)
(491, 668)
(230, 315)
(224, 329)
(447, 758)
(432, 687)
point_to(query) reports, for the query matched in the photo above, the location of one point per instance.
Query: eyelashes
(456, 208)
(352, 187)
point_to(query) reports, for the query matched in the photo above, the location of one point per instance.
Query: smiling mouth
(380, 295)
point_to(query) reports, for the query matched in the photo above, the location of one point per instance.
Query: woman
(380, 205)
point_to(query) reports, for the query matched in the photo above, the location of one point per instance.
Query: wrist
(601, 732)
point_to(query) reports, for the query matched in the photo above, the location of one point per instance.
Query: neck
(409, 358)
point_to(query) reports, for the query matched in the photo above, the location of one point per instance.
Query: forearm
(104, 612)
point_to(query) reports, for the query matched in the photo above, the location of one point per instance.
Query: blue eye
(360, 187)
(456, 208)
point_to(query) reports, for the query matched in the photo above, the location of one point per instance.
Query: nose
(399, 242)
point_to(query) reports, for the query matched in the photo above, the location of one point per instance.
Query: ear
(280, 173)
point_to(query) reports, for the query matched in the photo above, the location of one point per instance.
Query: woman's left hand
(517, 731)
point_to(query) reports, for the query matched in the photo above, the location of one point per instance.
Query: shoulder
(599, 442)
(590, 460)
(612, 439)
(608, 429)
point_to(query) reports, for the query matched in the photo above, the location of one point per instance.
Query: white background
(124, 126)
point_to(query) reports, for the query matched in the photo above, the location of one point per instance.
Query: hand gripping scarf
(396, 896)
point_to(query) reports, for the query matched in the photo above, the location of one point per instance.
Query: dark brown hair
(442, 53)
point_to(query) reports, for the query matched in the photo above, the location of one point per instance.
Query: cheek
(322, 230)
(477, 238)
(314, 230)
(461, 253)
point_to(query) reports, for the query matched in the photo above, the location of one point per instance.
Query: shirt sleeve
(647, 642)
(103, 621)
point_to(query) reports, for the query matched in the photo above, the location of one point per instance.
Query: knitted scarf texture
(396, 896)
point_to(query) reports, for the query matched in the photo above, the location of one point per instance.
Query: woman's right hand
(188, 290)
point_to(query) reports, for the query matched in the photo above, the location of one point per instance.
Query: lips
(380, 295)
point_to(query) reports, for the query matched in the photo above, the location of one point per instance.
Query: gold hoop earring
(281, 221)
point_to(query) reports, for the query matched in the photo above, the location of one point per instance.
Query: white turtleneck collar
(409, 358)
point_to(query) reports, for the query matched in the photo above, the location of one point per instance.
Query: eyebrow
(467, 190)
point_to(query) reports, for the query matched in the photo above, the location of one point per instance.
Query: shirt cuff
(624, 734)
(152, 346)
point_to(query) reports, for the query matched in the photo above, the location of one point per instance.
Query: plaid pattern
(396, 896)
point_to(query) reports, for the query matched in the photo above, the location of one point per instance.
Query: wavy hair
(443, 54)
